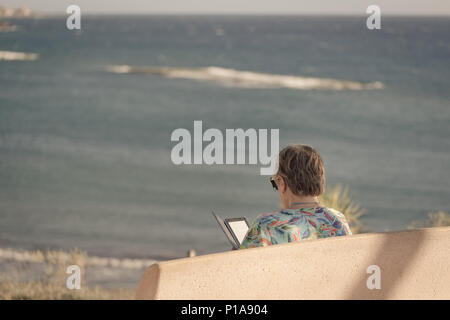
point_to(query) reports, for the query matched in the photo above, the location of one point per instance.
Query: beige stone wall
(414, 265)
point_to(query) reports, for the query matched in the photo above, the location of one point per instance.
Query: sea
(86, 118)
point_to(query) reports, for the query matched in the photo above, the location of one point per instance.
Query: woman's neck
(296, 201)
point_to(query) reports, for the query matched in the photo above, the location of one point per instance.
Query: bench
(412, 264)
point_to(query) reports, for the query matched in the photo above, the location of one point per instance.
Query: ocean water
(85, 150)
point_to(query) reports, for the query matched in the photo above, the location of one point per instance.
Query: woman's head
(301, 172)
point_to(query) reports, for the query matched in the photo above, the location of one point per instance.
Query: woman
(299, 181)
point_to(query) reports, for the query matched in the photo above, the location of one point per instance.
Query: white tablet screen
(239, 228)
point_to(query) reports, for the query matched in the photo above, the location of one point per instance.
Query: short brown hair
(302, 168)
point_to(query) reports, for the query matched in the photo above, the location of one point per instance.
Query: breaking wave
(14, 56)
(18, 255)
(247, 79)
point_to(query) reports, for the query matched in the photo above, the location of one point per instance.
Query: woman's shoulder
(334, 212)
(338, 219)
(329, 214)
(267, 218)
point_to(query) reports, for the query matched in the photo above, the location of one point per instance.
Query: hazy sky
(354, 7)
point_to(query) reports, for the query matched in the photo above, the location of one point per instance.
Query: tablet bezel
(226, 230)
(227, 220)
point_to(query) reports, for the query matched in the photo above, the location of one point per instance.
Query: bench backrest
(413, 264)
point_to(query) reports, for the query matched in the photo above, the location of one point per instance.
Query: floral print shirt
(294, 225)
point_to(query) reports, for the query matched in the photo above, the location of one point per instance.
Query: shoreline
(22, 267)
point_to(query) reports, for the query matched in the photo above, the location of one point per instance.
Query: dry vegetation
(42, 290)
(435, 219)
(51, 284)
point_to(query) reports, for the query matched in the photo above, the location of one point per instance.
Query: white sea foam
(21, 56)
(37, 257)
(248, 79)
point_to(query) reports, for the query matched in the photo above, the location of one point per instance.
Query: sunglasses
(274, 185)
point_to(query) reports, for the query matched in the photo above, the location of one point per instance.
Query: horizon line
(447, 15)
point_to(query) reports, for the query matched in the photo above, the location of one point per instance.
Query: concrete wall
(414, 265)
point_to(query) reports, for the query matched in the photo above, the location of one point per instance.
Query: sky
(311, 7)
